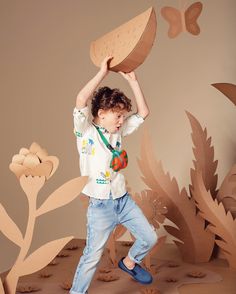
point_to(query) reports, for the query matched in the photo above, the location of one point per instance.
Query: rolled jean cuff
(73, 292)
(133, 259)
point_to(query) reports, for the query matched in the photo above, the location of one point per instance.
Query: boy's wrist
(133, 82)
(102, 72)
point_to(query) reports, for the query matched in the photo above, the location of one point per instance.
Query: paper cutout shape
(1, 287)
(45, 274)
(34, 161)
(28, 289)
(129, 44)
(66, 285)
(204, 155)
(194, 242)
(196, 274)
(146, 290)
(229, 90)
(221, 223)
(182, 20)
(107, 277)
(127, 285)
(152, 206)
(29, 166)
(227, 192)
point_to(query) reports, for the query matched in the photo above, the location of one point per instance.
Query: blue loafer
(138, 273)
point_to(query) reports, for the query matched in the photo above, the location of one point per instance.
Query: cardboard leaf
(204, 155)
(229, 90)
(63, 195)
(173, 231)
(1, 287)
(222, 224)
(129, 44)
(227, 191)
(42, 256)
(198, 243)
(9, 228)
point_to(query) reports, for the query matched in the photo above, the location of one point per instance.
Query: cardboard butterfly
(182, 20)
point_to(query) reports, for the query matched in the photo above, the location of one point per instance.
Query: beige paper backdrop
(45, 61)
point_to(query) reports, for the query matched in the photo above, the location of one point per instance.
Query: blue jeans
(102, 217)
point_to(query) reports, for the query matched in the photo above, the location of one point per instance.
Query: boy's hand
(130, 76)
(104, 67)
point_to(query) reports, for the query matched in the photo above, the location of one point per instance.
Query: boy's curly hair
(106, 98)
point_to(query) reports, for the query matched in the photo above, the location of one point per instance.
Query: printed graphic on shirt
(78, 134)
(88, 146)
(104, 179)
(117, 145)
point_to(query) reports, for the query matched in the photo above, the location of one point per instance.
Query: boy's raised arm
(142, 107)
(89, 88)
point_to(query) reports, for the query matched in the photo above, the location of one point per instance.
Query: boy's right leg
(100, 223)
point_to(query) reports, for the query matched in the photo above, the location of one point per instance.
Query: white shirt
(95, 157)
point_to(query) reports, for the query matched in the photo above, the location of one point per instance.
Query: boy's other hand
(130, 76)
(104, 67)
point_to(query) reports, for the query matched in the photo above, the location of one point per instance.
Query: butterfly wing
(191, 15)
(173, 17)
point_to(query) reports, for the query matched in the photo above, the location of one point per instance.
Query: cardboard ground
(167, 265)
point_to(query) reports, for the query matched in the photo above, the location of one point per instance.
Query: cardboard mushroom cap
(129, 44)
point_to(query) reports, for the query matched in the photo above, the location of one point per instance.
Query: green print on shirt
(105, 178)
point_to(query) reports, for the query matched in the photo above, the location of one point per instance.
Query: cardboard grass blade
(9, 228)
(229, 90)
(63, 195)
(227, 191)
(221, 224)
(204, 155)
(181, 210)
(42, 256)
(129, 44)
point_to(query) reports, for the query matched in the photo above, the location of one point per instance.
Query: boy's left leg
(132, 217)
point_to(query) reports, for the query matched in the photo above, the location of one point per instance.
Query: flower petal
(42, 154)
(35, 147)
(18, 158)
(31, 160)
(17, 169)
(24, 151)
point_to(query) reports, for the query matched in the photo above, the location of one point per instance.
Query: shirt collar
(102, 129)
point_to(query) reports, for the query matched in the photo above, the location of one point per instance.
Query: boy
(109, 202)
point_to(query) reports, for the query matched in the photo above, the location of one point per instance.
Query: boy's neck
(98, 123)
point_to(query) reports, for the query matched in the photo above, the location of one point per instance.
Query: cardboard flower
(152, 206)
(33, 161)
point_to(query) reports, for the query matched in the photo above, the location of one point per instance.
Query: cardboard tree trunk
(129, 44)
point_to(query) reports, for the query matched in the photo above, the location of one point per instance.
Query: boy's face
(112, 120)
